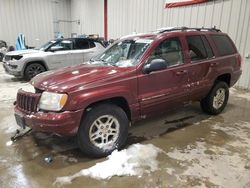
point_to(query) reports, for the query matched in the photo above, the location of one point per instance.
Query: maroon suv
(136, 77)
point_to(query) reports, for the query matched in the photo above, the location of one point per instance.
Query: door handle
(181, 72)
(213, 64)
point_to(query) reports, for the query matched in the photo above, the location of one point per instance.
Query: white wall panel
(62, 17)
(231, 16)
(33, 18)
(91, 16)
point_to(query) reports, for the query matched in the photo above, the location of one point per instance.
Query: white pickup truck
(54, 54)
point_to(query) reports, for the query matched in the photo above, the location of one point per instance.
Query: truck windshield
(123, 54)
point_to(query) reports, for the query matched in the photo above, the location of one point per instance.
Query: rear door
(84, 50)
(201, 61)
(165, 89)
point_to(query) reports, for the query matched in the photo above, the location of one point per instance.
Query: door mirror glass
(155, 65)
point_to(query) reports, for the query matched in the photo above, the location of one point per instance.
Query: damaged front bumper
(60, 123)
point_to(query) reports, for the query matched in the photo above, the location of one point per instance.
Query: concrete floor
(200, 150)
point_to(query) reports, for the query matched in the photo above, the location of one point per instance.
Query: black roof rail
(213, 29)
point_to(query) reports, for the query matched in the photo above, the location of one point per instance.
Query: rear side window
(91, 44)
(197, 50)
(82, 44)
(223, 44)
(209, 50)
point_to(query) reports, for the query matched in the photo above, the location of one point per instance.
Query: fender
(85, 99)
(33, 60)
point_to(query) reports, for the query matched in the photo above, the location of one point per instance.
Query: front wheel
(1, 57)
(32, 70)
(216, 100)
(103, 129)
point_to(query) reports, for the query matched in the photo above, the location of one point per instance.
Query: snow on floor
(8, 124)
(133, 161)
(9, 86)
(242, 95)
(224, 166)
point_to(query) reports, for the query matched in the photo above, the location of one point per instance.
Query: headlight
(17, 57)
(52, 101)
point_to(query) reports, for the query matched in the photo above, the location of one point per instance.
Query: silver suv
(52, 55)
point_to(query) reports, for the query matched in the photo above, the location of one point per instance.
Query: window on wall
(223, 44)
(170, 50)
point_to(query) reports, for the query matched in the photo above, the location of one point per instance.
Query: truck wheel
(1, 57)
(216, 100)
(103, 129)
(32, 70)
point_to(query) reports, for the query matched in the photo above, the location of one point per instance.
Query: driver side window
(62, 45)
(170, 50)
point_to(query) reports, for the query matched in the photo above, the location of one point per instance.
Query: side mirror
(155, 65)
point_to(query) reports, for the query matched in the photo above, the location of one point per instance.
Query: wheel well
(225, 78)
(40, 62)
(119, 101)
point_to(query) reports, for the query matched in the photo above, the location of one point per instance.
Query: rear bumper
(60, 123)
(235, 77)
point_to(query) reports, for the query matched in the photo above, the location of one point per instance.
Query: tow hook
(18, 134)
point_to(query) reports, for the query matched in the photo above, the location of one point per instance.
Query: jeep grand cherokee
(136, 77)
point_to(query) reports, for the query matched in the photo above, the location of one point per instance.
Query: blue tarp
(20, 42)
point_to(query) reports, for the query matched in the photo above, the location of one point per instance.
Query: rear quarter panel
(226, 64)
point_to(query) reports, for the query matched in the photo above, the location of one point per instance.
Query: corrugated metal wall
(33, 18)
(61, 11)
(91, 16)
(231, 16)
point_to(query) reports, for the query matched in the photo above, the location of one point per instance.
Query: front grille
(27, 101)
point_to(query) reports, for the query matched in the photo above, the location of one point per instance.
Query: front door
(164, 89)
(59, 54)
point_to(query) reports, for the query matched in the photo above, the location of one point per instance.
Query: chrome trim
(153, 97)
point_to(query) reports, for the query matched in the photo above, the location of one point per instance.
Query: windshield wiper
(106, 63)
(102, 61)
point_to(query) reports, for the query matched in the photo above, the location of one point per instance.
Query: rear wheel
(33, 69)
(216, 100)
(102, 130)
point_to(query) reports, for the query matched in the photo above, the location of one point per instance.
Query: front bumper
(60, 123)
(11, 71)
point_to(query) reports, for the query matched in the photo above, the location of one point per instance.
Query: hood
(76, 77)
(22, 52)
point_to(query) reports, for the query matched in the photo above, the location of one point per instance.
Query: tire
(93, 124)
(32, 70)
(216, 100)
(1, 57)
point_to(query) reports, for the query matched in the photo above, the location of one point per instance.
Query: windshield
(46, 45)
(123, 54)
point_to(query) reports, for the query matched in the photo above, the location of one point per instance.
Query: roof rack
(213, 29)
